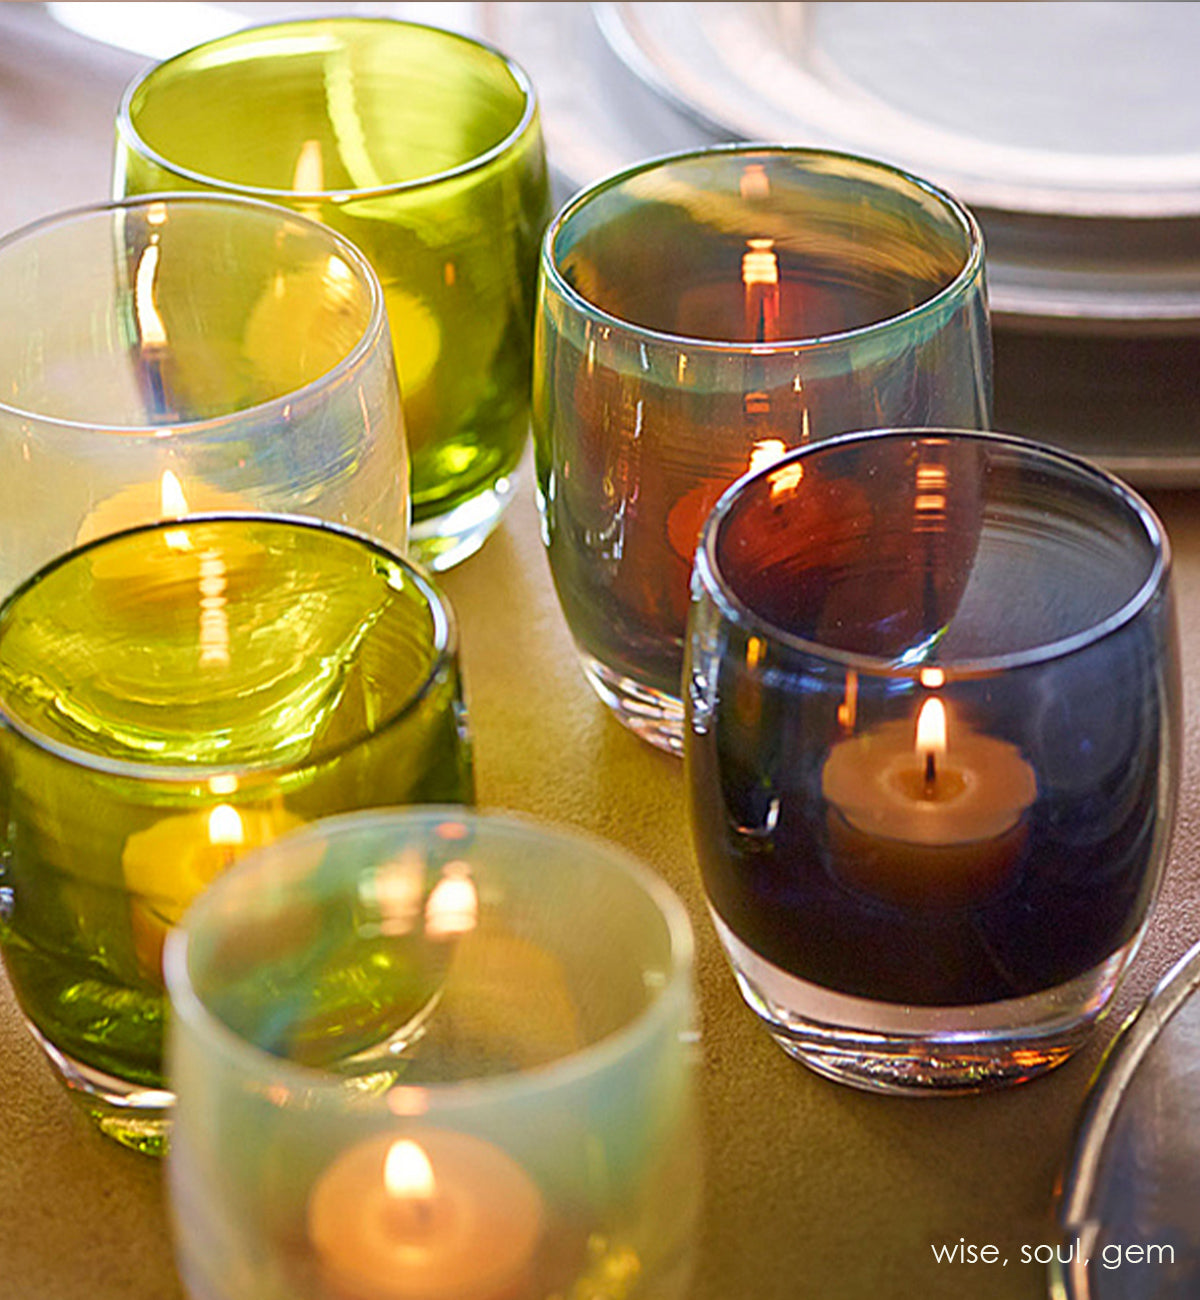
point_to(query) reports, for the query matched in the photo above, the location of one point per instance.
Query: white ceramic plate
(1072, 129)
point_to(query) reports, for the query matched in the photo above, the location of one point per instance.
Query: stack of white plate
(1072, 130)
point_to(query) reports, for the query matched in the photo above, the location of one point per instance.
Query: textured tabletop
(812, 1189)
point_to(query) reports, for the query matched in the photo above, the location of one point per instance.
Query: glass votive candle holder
(171, 697)
(701, 314)
(536, 1137)
(422, 146)
(191, 353)
(932, 750)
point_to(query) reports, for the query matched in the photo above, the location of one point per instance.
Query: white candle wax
(170, 863)
(916, 823)
(471, 1233)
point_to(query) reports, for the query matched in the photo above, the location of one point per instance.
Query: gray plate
(1071, 129)
(1134, 1179)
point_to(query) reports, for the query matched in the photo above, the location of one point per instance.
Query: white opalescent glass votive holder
(433, 1055)
(191, 354)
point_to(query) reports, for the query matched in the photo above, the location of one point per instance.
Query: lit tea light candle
(920, 820)
(448, 1217)
(147, 502)
(760, 276)
(688, 514)
(179, 568)
(168, 864)
(453, 907)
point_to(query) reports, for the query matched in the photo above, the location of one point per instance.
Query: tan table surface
(813, 1189)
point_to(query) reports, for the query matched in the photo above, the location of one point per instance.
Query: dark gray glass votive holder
(933, 717)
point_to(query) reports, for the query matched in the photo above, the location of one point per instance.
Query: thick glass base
(132, 1114)
(920, 1050)
(442, 541)
(652, 714)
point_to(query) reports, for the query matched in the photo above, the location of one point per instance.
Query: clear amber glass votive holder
(698, 316)
(932, 749)
(534, 1137)
(191, 354)
(422, 146)
(170, 698)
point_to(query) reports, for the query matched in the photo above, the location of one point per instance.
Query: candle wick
(930, 774)
(423, 1213)
(412, 1218)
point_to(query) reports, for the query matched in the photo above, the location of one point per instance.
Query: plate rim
(1098, 300)
(1114, 1075)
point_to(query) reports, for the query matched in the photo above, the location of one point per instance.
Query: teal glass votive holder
(170, 698)
(533, 1136)
(701, 314)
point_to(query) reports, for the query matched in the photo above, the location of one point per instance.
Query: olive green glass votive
(170, 698)
(424, 148)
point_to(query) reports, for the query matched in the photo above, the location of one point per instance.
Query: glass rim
(373, 331)
(128, 133)
(708, 571)
(423, 1099)
(972, 268)
(444, 639)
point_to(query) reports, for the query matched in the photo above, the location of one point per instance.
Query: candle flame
(847, 711)
(933, 678)
(407, 1101)
(786, 479)
(760, 264)
(453, 906)
(309, 176)
(225, 826)
(397, 890)
(931, 727)
(339, 281)
(170, 491)
(407, 1173)
(151, 329)
(336, 271)
(766, 451)
(754, 182)
(214, 619)
(760, 280)
(929, 501)
(173, 506)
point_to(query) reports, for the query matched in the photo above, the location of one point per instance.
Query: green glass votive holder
(536, 1137)
(424, 148)
(170, 698)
